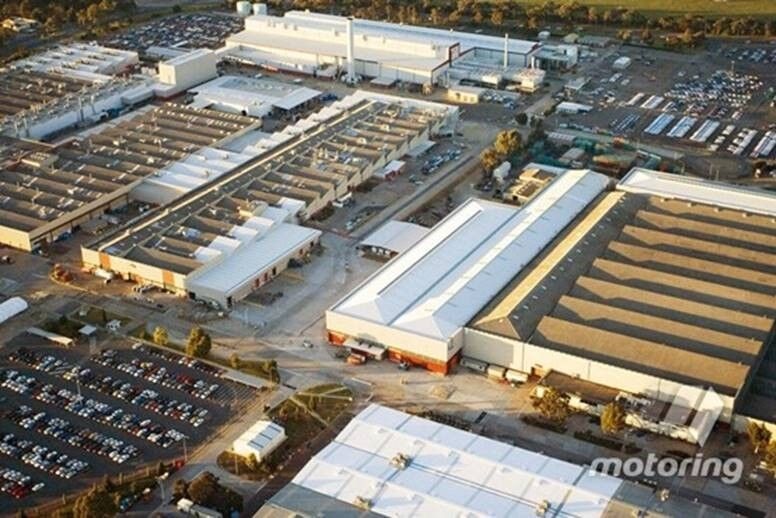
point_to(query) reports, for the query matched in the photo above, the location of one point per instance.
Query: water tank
(243, 8)
(260, 9)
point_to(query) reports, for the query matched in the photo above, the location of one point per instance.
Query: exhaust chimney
(506, 50)
(351, 76)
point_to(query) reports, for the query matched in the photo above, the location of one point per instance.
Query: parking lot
(70, 417)
(185, 31)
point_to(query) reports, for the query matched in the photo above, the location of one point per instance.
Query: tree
(252, 462)
(508, 142)
(521, 118)
(160, 336)
(553, 405)
(759, 436)
(497, 17)
(97, 503)
(272, 369)
(180, 489)
(770, 456)
(205, 490)
(199, 343)
(234, 361)
(490, 159)
(613, 418)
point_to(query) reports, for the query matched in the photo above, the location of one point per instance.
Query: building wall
(135, 271)
(191, 72)
(529, 358)
(15, 238)
(261, 277)
(398, 342)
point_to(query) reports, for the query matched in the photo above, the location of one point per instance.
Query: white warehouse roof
(439, 284)
(259, 439)
(449, 472)
(438, 37)
(254, 96)
(396, 236)
(12, 307)
(656, 183)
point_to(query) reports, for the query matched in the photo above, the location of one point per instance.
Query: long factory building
(386, 462)
(68, 85)
(231, 235)
(580, 280)
(51, 191)
(329, 46)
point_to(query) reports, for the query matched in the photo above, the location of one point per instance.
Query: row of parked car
(431, 165)
(144, 398)
(41, 457)
(92, 409)
(92, 441)
(157, 374)
(192, 363)
(17, 484)
(120, 389)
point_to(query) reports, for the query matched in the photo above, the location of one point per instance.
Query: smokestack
(506, 50)
(351, 77)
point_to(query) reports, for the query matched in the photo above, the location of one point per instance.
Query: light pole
(161, 488)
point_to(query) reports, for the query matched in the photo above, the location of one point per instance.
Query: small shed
(465, 94)
(501, 172)
(260, 440)
(393, 169)
(393, 238)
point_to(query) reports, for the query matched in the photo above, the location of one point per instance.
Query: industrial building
(664, 285)
(333, 46)
(234, 233)
(255, 97)
(584, 277)
(187, 70)
(418, 304)
(389, 463)
(80, 59)
(47, 193)
(68, 86)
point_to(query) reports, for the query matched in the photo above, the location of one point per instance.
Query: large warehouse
(417, 305)
(662, 285)
(48, 193)
(69, 85)
(389, 463)
(232, 233)
(326, 45)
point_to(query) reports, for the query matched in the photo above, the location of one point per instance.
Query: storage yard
(714, 111)
(174, 35)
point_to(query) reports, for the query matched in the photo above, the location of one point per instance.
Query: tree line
(504, 13)
(53, 15)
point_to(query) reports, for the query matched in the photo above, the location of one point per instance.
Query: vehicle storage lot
(135, 408)
(187, 31)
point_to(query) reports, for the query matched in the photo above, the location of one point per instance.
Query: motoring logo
(694, 410)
